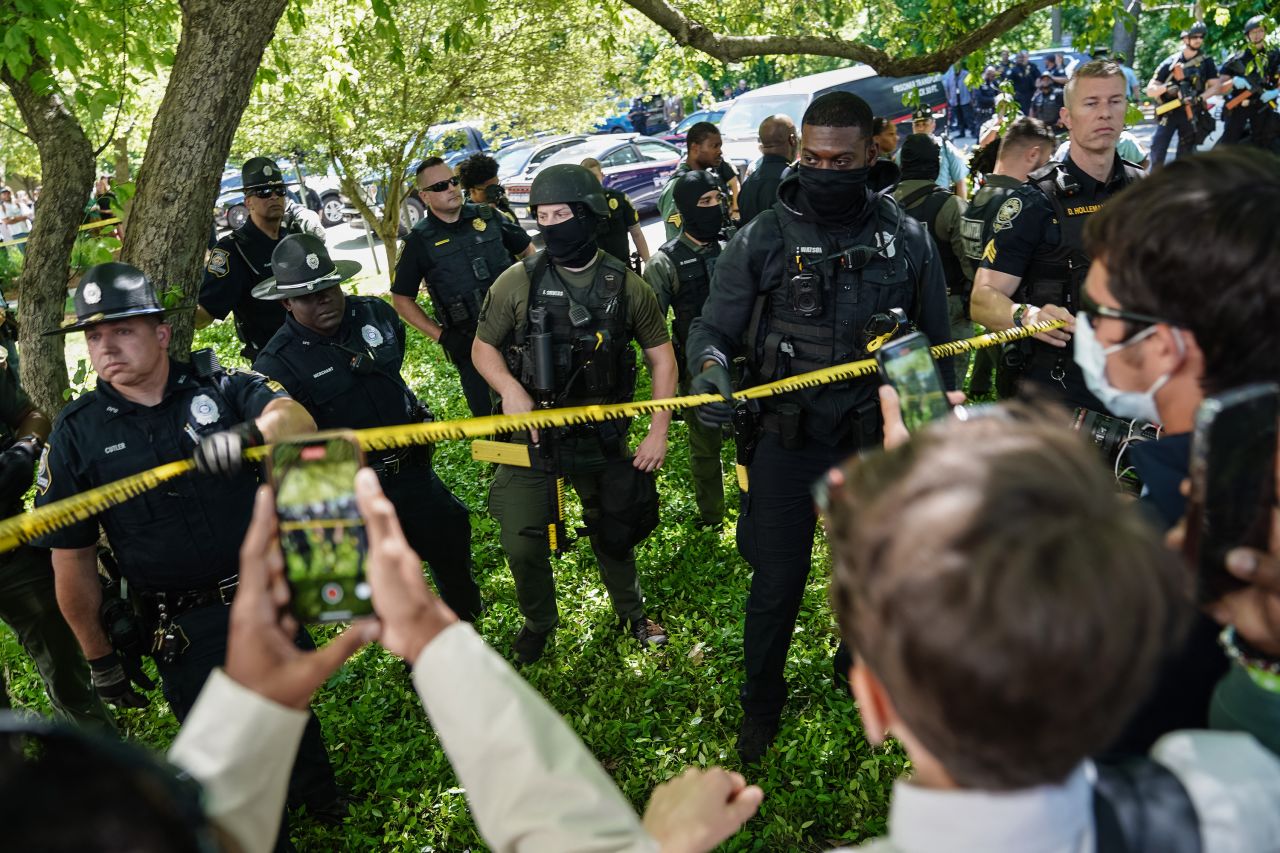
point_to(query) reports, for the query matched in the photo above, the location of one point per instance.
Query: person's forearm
(79, 593)
(642, 245)
(662, 370)
(411, 312)
(490, 364)
(528, 250)
(989, 306)
(203, 317)
(284, 417)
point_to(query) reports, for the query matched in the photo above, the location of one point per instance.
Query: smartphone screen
(1233, 463)
(909, 367)
(321, 532)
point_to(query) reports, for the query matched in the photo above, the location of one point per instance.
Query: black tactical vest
(977, 225)
(594, 362)
(693, 273)
(926, 213)
(464, 261)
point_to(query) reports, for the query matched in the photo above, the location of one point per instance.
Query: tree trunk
(218, 55)
(66, 164)
(1124, 39)
(1055, 26)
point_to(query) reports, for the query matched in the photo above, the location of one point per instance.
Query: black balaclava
(572, 243)
(701, 223)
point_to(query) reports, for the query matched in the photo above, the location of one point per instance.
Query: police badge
(479, 224)
(204, 410)
(92, 293)
(371, 336)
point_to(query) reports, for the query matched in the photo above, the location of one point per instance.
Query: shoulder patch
(219, 263)
(1007, 213)
(989, 254)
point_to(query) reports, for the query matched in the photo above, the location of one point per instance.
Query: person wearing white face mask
(1164, 322)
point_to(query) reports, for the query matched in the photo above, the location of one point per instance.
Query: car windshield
(581, 151)
(690, 120)
(511, 160)
(744, 117)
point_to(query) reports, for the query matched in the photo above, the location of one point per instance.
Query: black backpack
(1140, 806)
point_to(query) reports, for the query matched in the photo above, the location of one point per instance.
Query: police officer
(704, 152)
(680, 275)
(340, 357)
(243, 258)
(777, 144)
(939, 211)
(177, 545)
(1033, 268)
(834, 251)
(1253, 74)
(1200, 76)
(478, 175)
(593, 307)
(457, 249)
(623, 221)
(28, 604)
(1027, 145)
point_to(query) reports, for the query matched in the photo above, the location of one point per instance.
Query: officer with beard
(799, 285)
(680, 275)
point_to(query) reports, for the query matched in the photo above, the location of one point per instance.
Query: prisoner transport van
(741, 122)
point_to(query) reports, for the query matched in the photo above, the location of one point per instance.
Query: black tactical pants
(438, 526)
(474, 388)
(1176, 122)
(775, 535)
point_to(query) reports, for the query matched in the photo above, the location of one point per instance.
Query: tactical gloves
(714, 380)
(1240, 82)
(223, 452)
(456, 344)
(114, 679)
(17, 466)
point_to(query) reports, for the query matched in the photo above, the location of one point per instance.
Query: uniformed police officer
(594, 308)
(1027, 145)
(28, 604)
(680, 275)
(457, 249)
(833, 251)
(1254, 73)
(243, 258)
(777, 144)
(1033, 268)
(340, 357)
(1201, 77)
(177, 545)
(623, 221)
(704, 152)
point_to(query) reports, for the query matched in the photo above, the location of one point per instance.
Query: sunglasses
(439, 186)
(267, 192)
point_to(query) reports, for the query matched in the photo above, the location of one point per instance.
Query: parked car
(741, 122)
(637, 165)
(525, 153)
(655, 115)
(454, 143)
(681, 130)
(322, 195)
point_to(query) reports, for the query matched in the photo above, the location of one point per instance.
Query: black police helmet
(1256, 22)
(1197, 29)
(111, 291)
(302, 265)
(566, 183)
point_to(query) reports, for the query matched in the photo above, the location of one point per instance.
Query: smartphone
(321, 532)
(1233, 465)
(909, 367)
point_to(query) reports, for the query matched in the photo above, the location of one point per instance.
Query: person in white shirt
(15, 219)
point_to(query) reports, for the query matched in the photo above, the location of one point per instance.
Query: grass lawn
(645, 715)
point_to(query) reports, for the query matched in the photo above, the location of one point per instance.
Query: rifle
(1187, 98)
(547, 453)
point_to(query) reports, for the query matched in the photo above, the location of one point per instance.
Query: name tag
(322, 373)
(113, 448)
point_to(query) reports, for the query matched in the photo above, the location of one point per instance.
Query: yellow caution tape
(59, 514)
(86, 227)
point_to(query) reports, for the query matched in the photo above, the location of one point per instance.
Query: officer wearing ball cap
(594, 308)
(177, 545)
(953, 173)
(1252, 77)
(242, 259)
(340, 357)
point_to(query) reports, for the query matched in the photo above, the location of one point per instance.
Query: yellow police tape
(86, 227)
(59, 514)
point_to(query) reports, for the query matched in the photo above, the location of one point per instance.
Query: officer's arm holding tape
(268, 415)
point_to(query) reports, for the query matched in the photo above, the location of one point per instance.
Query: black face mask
(703, 223)
(835, 195)
(571, 243)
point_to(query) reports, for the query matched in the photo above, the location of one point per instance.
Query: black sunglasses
(440, 186)
(1094, 310)
(267, 192)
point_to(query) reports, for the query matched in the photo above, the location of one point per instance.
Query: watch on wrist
(1019, 313)
(1263, 669)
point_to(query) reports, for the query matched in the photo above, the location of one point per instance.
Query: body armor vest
(594, 359)
(464, 263)
(693, 272)
(977, 225)
(926, 213)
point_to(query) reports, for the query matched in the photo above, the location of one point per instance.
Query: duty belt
(175, 602)
(391, 463)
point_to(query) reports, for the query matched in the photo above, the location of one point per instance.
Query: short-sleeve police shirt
(237, 263)
(186, 532)
(414, 266)
(622, 216)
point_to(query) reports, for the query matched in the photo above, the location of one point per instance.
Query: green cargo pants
(961, 328)
(520, 500)
(704, 465)
(29, 606)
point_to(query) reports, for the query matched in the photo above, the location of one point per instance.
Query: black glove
(115, 685)
(17, 468)
(457, 345)
(714, 380)
(223, 452)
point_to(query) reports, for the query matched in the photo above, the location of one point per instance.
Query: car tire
(331, 210)
(616, 129)
(237, 215)
(313, 200)
(411, 210)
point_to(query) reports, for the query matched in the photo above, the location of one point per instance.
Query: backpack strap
(1140, 806)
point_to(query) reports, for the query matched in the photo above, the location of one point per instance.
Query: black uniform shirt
(317, 369)
(414, 266)
(760, 190)
(1199, 73)
(622, 216)
(238, 262)
(186, 532)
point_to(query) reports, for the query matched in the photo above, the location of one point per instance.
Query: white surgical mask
(1092, 358)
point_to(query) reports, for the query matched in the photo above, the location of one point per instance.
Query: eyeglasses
(440, 186)
(1093, 310)
(267, 192)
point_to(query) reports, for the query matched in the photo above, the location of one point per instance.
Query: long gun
(1186, 97)
(544, 386)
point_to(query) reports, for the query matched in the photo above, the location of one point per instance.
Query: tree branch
(729, 48)
(16, 130)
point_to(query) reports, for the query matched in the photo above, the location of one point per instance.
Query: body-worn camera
(806, 294)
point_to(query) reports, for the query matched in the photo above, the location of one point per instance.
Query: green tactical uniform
(29, 606)
(683, 260)
(519, 497)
